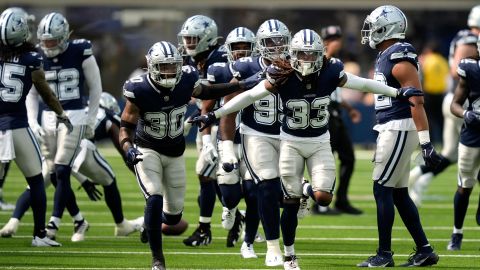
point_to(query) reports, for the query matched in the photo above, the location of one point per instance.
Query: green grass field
(323, 242)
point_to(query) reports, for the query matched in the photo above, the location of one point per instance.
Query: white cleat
(10, 228)
(80, 228)
(128, 226)
(44, 242)
(51, 230)
(228, 218)
(4, 206)
(273, 259)
(304, 208)
(291, 263)
(247, 251)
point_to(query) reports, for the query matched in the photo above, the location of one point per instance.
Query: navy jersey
(389, 108)
(305, 101)
(162, 111)
(469, 70)
(221, 73)
(15, 83)
(217, 55)
(263, 115)
(464, 36)
(64, 74)
(105, 118)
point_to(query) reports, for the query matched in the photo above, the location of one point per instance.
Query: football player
(468, 89)
(151, 135)
(462, 46)
(233, 178)
(260, 129)
(21, 68)
(69, 65)
(400, 127)
(304, 131)
(198, 40)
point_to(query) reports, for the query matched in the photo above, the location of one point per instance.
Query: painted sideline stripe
(196, 253)
(296, 238)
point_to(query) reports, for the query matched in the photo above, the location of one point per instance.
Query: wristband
(424, 136)
(206, 139)
(128, 125)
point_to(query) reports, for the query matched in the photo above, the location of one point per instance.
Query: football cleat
(456, 242)
(347, 208)
(291, 263)
(128, 226)
(247, 251)
(324, 210)
(10, 228)
(44, 242)
(51, 230)
(235, 232)
(273, 258)
(228, 218)
(4, 206)
(199, 237)
(158, 264)
(79, 230)
(143, 235)
(304, 208)
(381, 259)
(421, 259)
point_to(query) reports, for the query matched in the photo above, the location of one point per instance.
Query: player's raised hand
(204, 120)
(405, 93)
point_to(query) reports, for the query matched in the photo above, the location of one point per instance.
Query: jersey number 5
(12, 89)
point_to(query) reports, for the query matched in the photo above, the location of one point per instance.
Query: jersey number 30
(164, 124)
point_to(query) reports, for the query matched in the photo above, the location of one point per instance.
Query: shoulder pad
(130, 86)
(466, 65)
(83, 45)
(403, 51)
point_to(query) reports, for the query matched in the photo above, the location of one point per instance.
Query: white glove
(38, 131)
(208, 150)
(186, 127)
(228, 152)
(89, 132)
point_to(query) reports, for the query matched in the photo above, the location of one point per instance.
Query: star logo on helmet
(206, 24)
(384, 13)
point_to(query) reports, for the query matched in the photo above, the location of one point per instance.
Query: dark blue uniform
(215, 56)
(64, 74)
(469, 70)
(104, 119)
(263, 115)
(305, 103)
(162, 111)
(388, 108)
(15, 84)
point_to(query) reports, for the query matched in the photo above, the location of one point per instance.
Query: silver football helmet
(306, 52)
(164, 64)
(108, 102)
(197, 34)
(14, 28)
(29, 18)
(273, 39)
(474, 17)
(53, 33)
(237, 35)
(385, 22)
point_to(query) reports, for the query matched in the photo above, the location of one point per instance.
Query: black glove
(275, 75)
(431, 157)
(205, 119)
(405, 93)
(132, 156)
(251, 81)
(228, 167)
(63, 118)
(472, 118)
(93, 193)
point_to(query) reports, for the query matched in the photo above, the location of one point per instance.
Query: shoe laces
(77, 225)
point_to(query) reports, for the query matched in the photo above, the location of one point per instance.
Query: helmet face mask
(164, 64)
(53, 33)
(239, 43)
(273, 39)
(385, 22)
(198, 33)
(14, 29)
(306, 52)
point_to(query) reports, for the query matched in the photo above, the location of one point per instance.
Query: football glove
(228, 158)
(276, 76)
(63, 118)
(405, 93)
(472, 118)
(430, 156)
(38, 131)
(205, 119)
(133, 156)
(93, 193)
(209, 152)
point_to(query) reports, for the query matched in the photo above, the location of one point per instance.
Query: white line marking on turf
(196, 253)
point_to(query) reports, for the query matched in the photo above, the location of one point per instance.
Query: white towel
(7, 150)
(85, 145)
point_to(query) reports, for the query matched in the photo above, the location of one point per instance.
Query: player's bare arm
(38, 79)
(461, 94)
(129, 120)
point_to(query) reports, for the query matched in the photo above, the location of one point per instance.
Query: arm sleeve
(367, 85)
(32, 106)
(92, 75)
(243, 100)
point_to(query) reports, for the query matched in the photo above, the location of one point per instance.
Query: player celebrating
(153, 117)
(304, 132)
(397, 124)
(21, 68)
